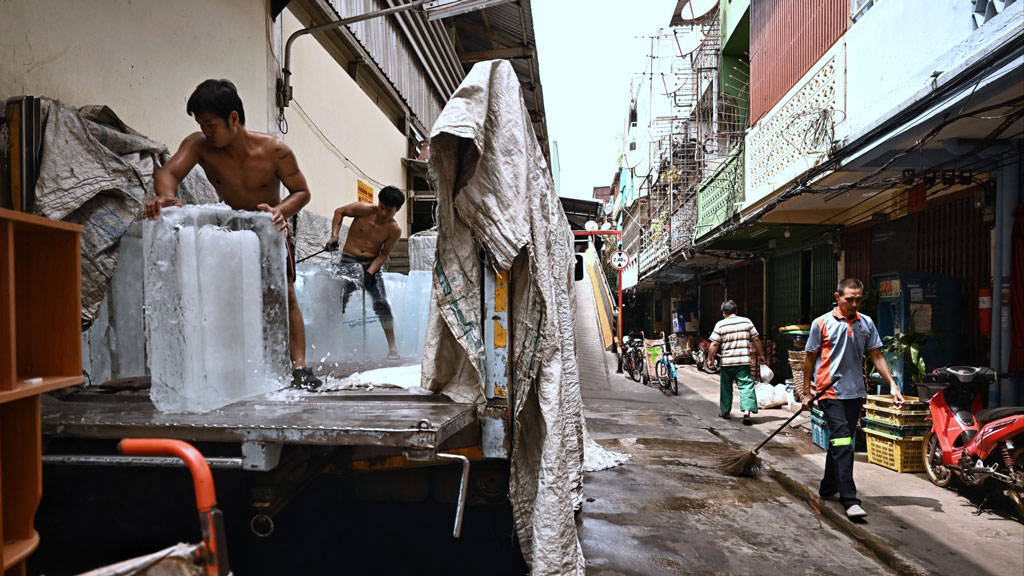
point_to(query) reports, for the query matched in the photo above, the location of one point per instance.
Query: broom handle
(798, 412)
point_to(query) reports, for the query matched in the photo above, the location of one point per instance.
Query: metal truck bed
(379, 419)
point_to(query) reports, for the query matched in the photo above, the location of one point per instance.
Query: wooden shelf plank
(33, 220)
(23, 388)
(16, 551)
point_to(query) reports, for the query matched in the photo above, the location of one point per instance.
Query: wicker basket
(796, 364)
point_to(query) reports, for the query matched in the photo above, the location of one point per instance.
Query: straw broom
(747, 462)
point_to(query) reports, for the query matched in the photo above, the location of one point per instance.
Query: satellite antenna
(696, 9)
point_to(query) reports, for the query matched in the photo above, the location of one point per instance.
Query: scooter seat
(990, 414)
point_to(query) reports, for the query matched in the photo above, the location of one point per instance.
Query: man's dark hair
(391, 196)
(219, 97)
(728, 307)
(851, 283)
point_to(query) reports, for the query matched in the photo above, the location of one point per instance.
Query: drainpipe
(1007, 197)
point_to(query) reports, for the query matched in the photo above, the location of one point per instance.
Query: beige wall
(338, 134)
(143, 58)
(140, 57)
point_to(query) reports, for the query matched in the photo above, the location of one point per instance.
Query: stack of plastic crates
(894, 433)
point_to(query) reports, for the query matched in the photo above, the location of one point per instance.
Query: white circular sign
(619, 259)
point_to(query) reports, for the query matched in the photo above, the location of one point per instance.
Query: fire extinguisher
(985, 311)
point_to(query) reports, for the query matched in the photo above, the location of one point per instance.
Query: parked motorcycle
(700, 357)
(968, 442)
(633, 355)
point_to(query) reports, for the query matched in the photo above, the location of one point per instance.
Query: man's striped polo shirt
(733, 335)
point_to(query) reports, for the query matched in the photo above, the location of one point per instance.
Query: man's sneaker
(304, 378)
(855, 511)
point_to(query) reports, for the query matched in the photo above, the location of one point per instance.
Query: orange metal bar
(206, 497)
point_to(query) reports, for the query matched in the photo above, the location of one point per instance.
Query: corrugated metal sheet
(783, 304)
(424, 87)
(745, 285)
(784, 289)
(712, 293)
(824, 277)
(786, 38)
(954, 240)
(857, 254)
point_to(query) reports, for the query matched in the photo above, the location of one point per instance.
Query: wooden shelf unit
(40, 351)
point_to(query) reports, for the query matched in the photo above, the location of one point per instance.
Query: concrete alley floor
(668, 510)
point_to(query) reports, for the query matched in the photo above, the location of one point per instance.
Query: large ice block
(127, 337)
(114, 345)
(334, 336)
(216, 307)
(422, 248)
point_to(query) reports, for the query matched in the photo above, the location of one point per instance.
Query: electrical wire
(334, 149)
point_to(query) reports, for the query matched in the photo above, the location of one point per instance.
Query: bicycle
(632, 358)
(659, 355)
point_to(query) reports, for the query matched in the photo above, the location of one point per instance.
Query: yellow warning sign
(364, 192)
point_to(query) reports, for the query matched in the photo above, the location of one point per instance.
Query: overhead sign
(619, 259)
(364, 192)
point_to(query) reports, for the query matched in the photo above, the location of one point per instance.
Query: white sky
(589, 50)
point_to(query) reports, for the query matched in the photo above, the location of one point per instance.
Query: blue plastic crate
(821, 434)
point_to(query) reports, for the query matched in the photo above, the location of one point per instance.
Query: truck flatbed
(382, 418)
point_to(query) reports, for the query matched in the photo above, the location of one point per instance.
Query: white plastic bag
(764, 392)
(766, 374)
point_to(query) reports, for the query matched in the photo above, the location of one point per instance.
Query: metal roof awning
(506, 32)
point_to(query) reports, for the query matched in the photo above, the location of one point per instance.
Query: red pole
(620, 311)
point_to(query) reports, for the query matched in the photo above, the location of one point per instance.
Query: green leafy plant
(906, 345)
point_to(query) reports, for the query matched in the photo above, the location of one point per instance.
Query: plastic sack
(764, 394)
(766, 374)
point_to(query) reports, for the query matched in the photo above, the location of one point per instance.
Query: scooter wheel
(932, 454)
(1017, 495)
(700, 359)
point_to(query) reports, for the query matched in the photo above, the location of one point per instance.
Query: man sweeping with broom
(834, 354)
(835, 347)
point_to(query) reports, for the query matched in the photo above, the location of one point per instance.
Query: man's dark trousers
(841, 416)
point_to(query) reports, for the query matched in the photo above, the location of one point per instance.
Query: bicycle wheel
(629, 365)
(667, 376)
(635, 367)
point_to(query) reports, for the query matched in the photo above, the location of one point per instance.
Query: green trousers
(741, 374)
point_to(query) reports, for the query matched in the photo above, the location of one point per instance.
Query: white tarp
(495, 193)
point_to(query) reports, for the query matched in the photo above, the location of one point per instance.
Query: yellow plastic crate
(910, 403)
(899, 454)
(901, 417)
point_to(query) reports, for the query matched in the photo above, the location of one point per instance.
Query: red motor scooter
(967, 441)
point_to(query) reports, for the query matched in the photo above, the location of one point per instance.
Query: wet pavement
(670, 511)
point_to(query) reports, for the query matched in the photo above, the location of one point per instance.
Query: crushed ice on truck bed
(393, 377)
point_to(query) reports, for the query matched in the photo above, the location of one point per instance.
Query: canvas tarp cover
(97, 172)
(495, 194)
